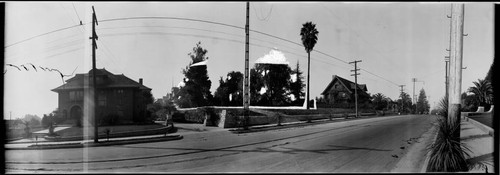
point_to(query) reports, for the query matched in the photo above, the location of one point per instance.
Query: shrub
(448, 154)
(213, 118)
(79, 122)
(110, 119)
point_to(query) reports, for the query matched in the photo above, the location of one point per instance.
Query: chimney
(140, 81)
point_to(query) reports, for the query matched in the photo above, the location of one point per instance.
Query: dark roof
(112, 81)
(349, 84)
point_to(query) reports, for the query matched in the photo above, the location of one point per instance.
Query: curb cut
(481, 126)
(108, 143)
(428, 156)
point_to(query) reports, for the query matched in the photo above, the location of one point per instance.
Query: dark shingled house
(118, 96)
(340, 90)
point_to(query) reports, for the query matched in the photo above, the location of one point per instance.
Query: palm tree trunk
(308, 77)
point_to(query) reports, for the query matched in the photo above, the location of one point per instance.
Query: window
(120, 96)
(75, 95)
(343, 95)
(79, 95)
(72, 96)
(101, 99)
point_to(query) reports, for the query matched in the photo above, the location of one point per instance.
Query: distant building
(117, 95)
(340, 90)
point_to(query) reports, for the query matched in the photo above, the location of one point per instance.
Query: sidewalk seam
(428, 155)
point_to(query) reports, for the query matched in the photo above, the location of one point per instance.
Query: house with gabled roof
(340, 90)
(117, 95)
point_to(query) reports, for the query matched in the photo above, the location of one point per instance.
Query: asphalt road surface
(366, 145)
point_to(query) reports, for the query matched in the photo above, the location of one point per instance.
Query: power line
(77, 13)
(380, 77)
(194, 20)
(65, 28)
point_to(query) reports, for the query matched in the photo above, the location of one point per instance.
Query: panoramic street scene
(248, 87)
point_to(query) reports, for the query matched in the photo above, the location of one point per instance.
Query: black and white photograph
(248, 87)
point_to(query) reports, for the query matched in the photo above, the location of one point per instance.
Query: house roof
(348, 84)
(112, 81)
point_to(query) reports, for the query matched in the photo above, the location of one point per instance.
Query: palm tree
(483, 91)
(380, 101)
(309, 37)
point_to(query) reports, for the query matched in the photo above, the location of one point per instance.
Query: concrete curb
(481, 126)
(428, 155)
(91, 144)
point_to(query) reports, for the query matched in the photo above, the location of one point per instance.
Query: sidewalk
(477, 138)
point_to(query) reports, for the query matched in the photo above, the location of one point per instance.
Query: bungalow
(340, 90)
(117, 95)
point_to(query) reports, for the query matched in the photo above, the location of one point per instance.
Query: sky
(395, 41)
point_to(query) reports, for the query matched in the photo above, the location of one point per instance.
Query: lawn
(78, 131)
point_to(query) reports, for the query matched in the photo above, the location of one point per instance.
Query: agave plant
(443, 107)
(448, 154)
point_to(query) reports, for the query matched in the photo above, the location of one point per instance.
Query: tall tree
(405, 104)
(196, 91)
(490, 72)
(230, 91)
(422, 103)
(275, 78)
(309, 37)
(380, 101)
(483, 91)
(297, 87)
(256, 84)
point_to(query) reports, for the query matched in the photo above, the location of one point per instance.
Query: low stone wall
(227, 119)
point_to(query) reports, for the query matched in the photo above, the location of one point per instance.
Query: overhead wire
(194, 20)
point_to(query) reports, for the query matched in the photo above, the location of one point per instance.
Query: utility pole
(456, 52)
(94, 72)
(355, 83)
(414, 100)
(246, 82)
(446, 74)
(402, 102)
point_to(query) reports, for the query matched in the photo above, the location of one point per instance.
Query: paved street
(367, 145)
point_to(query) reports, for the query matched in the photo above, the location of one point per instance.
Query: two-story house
(116, 95)
(340, 90)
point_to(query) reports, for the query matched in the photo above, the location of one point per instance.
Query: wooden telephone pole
(414, 98)
(355, 83)
(94, 72)
(455, 76)
(402, 102)
(246, 81)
